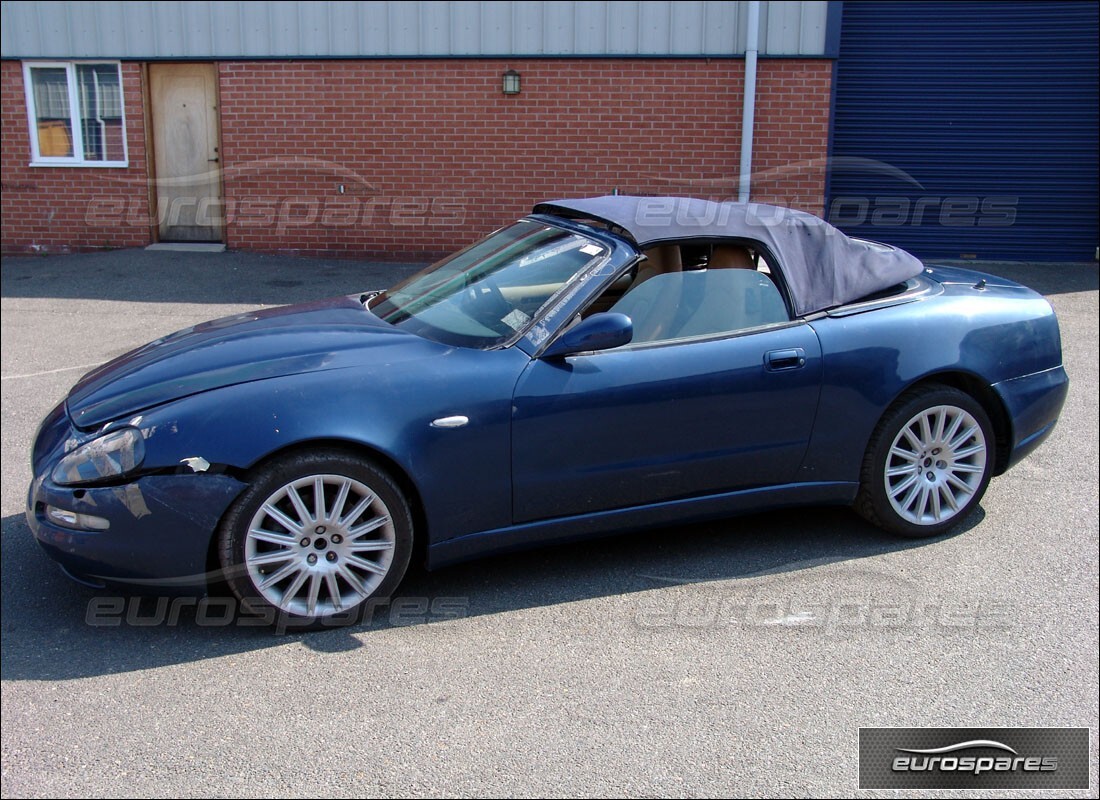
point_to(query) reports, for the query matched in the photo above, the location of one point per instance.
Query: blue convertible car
(600, 365)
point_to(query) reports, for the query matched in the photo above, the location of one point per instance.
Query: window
(685, 291)
(75, 113)
(491, 291)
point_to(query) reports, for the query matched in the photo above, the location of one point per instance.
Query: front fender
(462, 475)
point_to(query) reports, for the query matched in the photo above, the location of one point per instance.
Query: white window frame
(77, 158)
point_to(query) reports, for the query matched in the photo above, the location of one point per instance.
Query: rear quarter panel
(995, 334)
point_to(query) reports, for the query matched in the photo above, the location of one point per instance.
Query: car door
(664, 420)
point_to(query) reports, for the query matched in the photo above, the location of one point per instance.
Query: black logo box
(1037, 758)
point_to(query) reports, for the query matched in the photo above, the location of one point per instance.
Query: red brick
(399, 134)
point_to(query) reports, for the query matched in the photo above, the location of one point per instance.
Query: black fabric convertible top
(823, 267)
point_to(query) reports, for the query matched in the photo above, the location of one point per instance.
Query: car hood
(323, 335)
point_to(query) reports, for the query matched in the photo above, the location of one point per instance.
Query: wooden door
(185, 145)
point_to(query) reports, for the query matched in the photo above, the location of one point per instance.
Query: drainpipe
(751, 45)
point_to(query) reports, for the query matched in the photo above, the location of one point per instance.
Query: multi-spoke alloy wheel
(319, 545)
(928, 463)
(314, 537)
(936, 464)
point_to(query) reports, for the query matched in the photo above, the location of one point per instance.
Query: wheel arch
(352, 448)
(985, 396)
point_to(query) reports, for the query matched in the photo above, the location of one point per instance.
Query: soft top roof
(823, 267)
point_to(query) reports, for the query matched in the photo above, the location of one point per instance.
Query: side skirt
(694, 509)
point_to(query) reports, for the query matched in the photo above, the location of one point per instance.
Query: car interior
(685, 289)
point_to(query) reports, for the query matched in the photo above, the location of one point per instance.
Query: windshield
(486, 294)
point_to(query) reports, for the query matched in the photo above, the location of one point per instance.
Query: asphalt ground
(732, 658)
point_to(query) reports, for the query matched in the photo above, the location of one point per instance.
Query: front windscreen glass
(491, 291)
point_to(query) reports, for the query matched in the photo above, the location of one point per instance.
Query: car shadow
(55, 630)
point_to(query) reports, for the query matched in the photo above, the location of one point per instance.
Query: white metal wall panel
(255, 29)
(144, 29)
(622, 28)
(720, 27)
(196, 27)
(344, 26)
(435, 23)
(527, 26)
(465, 34)
(496, 27)
(226, 36)
(589, 28)
(374, 28)
(314, 32)
(811, 25)
(557, 32)
(686, 27)
(653, 28)
(782, 28)
(82, 17)
(283, 26)
(403, 30)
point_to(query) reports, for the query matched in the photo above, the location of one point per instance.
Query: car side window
(727, 293)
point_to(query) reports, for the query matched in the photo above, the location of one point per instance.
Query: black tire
(933, 486)
(330, 552)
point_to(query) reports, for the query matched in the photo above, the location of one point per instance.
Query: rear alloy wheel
(314, 538)
(928, 463)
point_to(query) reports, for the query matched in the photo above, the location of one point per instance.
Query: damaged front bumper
(157, 534)
(147, 533)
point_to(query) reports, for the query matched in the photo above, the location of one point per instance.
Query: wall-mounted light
(510, 82)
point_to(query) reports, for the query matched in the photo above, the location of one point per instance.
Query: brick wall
(431, 154)
(790, 141)
(57, 209)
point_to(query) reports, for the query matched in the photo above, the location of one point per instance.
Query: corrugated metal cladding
(968, 128)
(315, 28)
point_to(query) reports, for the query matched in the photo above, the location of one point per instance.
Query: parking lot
(731, 658)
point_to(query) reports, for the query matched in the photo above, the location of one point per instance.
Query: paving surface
(737, 657)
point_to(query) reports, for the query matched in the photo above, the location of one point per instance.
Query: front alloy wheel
(928, 463)
(314, 538)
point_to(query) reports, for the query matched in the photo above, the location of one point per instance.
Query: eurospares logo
(973, 758)
(938, 758)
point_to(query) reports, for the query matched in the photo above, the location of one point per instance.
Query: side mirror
(599, 332)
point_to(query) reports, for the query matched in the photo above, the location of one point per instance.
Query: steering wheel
(485, 303)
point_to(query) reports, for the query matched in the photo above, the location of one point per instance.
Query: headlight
(110, 456)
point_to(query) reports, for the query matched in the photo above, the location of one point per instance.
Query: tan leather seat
(731, 256)
(661, 259)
